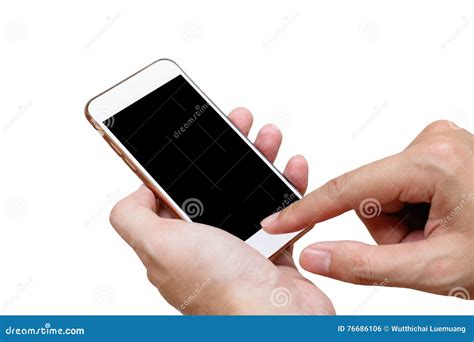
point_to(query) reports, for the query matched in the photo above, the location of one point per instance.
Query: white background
(348, 81)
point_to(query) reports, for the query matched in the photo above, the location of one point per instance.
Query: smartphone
(191, 156)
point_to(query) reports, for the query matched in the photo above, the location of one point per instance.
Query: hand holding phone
(200, 269)
(191, 156)
(196, 224)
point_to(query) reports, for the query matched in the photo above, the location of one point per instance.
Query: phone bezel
(113, 100)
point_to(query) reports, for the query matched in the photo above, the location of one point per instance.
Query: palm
(221, 258)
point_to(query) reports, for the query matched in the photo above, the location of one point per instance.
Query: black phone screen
(199, 160)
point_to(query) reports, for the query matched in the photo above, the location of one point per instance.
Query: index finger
(365, 188)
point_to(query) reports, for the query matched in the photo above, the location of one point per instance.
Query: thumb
(135, 220)
(418, 265)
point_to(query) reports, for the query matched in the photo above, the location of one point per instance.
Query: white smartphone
(191, 156)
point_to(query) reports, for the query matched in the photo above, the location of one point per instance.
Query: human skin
(418, 205)
(201, 269)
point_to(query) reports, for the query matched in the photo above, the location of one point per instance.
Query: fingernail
(316, 261)
(269, 220)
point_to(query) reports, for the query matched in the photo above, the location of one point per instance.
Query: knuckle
(152, 278)
(440, 273)
(292, 216)
(362, 271)
(337, 186)
(161, 279)
(438, 126)
(116, 213)
(445, 149)
(439, 267)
